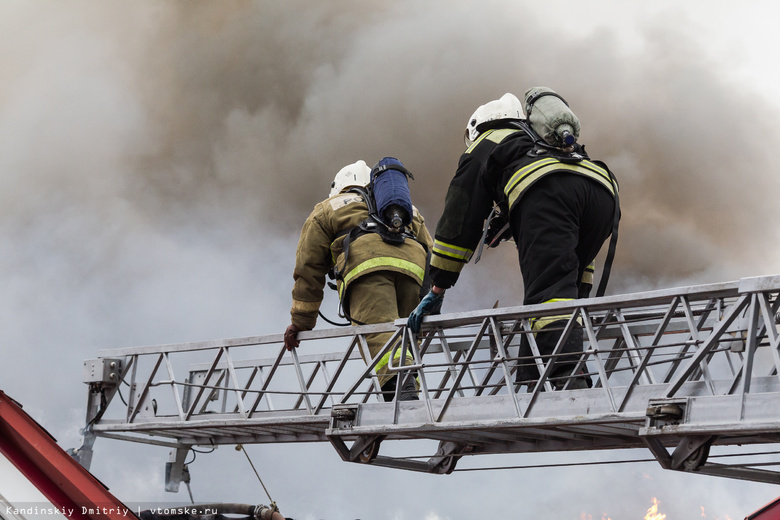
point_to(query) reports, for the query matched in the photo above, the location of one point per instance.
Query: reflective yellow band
(587, 277)
(383, 261)
(456, 252)
(538, 323)
(526, 176)
(300, 306)
(587, 274)
(446, 264)
(492, 135)
(384, 360)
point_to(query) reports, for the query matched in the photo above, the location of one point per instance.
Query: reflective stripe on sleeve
(300, 306)
(446, 264)
(587, 274)
(455, 252)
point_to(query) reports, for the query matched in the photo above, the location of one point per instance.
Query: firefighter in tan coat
(378, 280)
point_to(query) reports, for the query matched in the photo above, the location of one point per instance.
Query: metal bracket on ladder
(176, 471)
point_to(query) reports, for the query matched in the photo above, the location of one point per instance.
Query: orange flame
(652, 513)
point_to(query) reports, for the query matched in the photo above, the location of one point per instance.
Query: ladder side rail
(604, 303)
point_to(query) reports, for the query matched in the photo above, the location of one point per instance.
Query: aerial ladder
(680, 372)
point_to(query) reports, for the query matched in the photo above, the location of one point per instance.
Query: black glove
(431, 304)
(291, 337)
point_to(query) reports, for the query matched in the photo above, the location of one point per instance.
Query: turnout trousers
(559, 226)
(381, 297)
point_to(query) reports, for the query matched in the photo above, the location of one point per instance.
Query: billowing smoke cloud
(157, 161)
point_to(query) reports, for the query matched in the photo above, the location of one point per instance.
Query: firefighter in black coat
(560, 206)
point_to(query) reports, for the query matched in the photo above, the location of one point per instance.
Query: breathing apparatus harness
(496, 229)
(392, 226)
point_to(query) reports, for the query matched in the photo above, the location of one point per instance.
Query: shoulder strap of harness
(614, 238)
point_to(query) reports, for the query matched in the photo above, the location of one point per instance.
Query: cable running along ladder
(677, 371)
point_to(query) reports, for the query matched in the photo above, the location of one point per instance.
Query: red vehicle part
(771, 511)
(62, 480)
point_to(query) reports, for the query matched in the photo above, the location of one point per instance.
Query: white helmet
(355, 174)
(507, 107)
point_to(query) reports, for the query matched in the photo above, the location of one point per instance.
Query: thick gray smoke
(157, 160)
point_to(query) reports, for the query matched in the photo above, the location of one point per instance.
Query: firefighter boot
(408, 390)
(564, 366)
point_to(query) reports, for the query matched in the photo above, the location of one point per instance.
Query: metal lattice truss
(682, 369)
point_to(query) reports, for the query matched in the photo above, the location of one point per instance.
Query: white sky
(741, 34)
